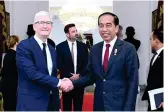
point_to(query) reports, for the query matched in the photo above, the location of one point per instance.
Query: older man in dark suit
(36, 63)
(112, 66)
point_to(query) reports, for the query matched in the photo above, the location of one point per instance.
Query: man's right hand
(66, 85)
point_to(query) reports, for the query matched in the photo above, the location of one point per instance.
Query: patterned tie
(106, 55)
(72, 52)
(44, 51)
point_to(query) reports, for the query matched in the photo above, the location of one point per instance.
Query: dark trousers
(75, 96)
(51, 105)
(9, 101)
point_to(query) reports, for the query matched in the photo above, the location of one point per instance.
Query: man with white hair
(36, 64)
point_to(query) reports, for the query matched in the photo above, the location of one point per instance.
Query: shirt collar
(159, 50)
(39, 41)
(70, 43)
(111, 43)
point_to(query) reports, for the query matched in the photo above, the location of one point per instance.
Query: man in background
(72, 59)
(155, 76)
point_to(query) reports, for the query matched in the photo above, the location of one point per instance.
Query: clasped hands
(66, 83)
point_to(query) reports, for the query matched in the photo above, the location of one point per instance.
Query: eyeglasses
(44, 22)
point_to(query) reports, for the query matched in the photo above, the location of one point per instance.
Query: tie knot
(44, 45)
(107, 45)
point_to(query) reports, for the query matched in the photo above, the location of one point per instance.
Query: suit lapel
(115, 52)
(39, 52)
(53, 57)
(99, 50)
(78, 55)
(66, 47)
(156, 60)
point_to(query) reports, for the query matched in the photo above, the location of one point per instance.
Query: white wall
(138, 15)
(22, 13)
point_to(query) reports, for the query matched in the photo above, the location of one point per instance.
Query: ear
(67, 34)
(34, 27)
(117, 28)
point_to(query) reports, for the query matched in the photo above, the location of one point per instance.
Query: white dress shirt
(49, 59)
(110, 48)
(75, 53)
(158, 52)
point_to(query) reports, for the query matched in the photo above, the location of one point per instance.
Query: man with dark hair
(155, 76)
(112, 66)
(72, 59)
(130, 32)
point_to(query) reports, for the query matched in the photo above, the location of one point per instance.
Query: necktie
(106, 55)
(44, 52)
(72, 52)
(151, 62)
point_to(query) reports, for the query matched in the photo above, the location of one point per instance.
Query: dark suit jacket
(9, 73)
(34, 81)
(64, 59)
(135, 42)
(155, 76)
(116, 90)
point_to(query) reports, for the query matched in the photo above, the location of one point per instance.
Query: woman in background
(10, 75)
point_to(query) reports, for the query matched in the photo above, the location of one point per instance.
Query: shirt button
(103, 92)
(104, 80)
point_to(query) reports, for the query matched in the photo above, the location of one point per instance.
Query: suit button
(103, 92)
(104, 80)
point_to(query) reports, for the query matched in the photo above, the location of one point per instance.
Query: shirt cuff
(59, 83)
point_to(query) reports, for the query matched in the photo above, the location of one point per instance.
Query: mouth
(105, 34)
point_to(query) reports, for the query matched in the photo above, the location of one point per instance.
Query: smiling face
(107, 28)
(42, 26)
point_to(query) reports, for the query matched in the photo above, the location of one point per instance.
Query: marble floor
(141, 105)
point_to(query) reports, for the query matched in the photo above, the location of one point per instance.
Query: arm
(25, 63)
(88, 79)
(85, 61)
(60, 61)
(132, 79)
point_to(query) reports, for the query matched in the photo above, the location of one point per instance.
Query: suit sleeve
(85, 61)
(25, 64)
(132, 79)
(60, 62)
(88, 78)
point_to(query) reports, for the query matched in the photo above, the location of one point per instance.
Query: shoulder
(98, 45)
(24, 43)
(61, 44)
(128, 46)
(81, 44)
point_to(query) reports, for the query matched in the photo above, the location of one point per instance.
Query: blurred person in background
(10, 75)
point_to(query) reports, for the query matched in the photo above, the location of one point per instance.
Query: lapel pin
(115, 52)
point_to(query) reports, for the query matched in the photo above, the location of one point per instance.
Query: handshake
(66, 85)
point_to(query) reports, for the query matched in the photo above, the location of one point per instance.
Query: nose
(45, 25)
(104, 29)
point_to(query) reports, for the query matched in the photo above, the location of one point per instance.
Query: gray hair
(42, 13)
